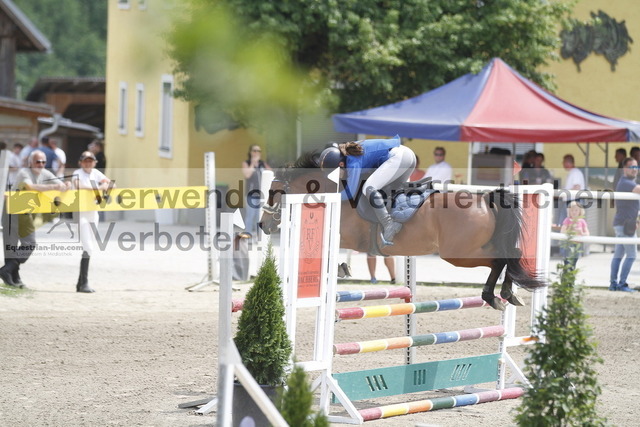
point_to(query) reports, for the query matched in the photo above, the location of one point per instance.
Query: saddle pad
(405, 205)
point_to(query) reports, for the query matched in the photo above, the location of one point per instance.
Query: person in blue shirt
(389, 162)
(624, 225)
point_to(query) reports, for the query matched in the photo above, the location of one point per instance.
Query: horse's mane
(299, 167)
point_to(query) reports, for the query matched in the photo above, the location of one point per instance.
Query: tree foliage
(296, 401)
(562, 372)
(77, 31)
(362, 53)
(261, 337)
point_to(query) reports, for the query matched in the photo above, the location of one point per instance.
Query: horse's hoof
(497, 304)
(344, 270)
(515, 300)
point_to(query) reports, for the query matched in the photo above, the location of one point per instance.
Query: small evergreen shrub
(561, 370)
(261, 337)
(295, 402)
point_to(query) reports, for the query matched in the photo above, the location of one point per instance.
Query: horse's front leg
(489, 287)
(507, 293)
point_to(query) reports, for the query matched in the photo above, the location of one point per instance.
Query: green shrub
(261, 337)
(295, 402)
(561, 370)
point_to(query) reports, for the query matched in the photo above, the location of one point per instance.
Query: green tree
(261, 337)
(296, 401)
(362, 53)
(564, 382)
(77, 31)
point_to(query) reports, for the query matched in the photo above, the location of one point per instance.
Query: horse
(481, 230)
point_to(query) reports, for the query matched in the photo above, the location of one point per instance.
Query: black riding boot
(83, 279)
(15, 275)
(6, 272)
(389, 227)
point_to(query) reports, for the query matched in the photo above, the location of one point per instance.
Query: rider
(392, 162)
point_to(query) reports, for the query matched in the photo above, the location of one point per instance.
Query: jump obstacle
(298, 219)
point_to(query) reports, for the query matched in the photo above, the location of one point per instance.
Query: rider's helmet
(330, 159)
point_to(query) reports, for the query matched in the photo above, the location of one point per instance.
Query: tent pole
(586, 166)
(513, 162)
(470, 163)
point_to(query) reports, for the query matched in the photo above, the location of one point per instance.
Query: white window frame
(140, 109)
(142, 4)
(165, 146)
(123, 109)
(124, 4)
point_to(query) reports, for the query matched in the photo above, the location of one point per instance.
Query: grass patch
(10, 291)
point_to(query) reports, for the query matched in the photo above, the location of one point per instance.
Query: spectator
(252, 170)
(574, 224)
(635, 154)
(389, 262)
(61, 158)
(536, 174)
(574, 181)
(18, 229)
(24, 153)
(620, 155)
(14, 164)
(440, 171)
(47, 149)
(97, 148)
(87, 178)
(624, 225)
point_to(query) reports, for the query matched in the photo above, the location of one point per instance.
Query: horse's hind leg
(507, 293)
(489, 287)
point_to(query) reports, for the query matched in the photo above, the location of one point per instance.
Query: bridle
(275, 209)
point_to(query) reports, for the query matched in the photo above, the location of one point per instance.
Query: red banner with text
(310, 261)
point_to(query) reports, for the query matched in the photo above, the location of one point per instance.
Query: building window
(123, 4)
(166, 116)
(139, 110)
(122, 112)
(142, 4)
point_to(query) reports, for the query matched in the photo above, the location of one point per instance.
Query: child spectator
(575, 225)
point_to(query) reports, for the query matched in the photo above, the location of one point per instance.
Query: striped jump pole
(418, 340)
(350, 296)
(374, 294)
(387, 411)
(409, 308)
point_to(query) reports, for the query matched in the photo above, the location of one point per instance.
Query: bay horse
(477, 230)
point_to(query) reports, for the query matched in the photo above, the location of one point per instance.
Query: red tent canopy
(495, 105)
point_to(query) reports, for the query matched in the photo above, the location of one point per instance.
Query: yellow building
(597, 86)
(151, 138)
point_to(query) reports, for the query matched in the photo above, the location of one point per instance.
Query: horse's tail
(509, 230)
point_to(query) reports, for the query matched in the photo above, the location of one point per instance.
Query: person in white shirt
(26, 151)
(61, 158)
(440, 171)
(14, 164)
(575, 179)
(88, 178)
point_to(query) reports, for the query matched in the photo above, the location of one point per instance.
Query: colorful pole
(418, 340)
(409, 308)
(384, 293)
(387, 411)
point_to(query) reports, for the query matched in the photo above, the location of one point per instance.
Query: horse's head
(301, 177)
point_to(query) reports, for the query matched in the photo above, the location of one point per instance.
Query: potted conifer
(262, 340)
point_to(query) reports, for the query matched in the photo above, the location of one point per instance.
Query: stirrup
(384, 241)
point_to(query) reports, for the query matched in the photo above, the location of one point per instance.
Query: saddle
(402, 205)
